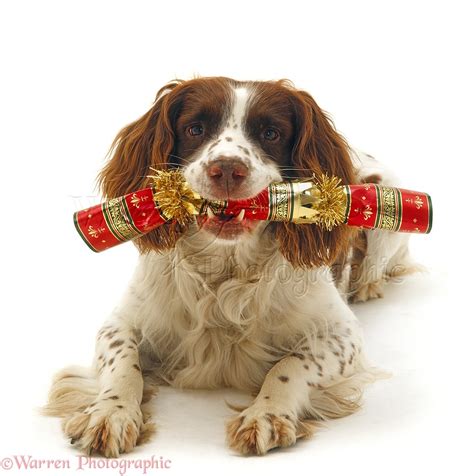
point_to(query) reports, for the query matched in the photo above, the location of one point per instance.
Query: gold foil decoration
(174, 196)
(322, 201)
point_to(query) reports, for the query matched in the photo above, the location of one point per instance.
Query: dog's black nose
(227, 173)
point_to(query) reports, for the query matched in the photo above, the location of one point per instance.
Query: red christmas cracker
(368, 206)
(324, 202)
(388, 208)
(118, 220)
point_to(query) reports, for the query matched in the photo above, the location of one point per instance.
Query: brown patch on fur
(116, 343)
(149, 391)
(318, 148)
(283, 378)
(342, 366)
(213, 145)
(374, 178)
(244, 150)
(359, 252)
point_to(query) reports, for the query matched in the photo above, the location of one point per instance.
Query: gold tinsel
(173, 195)
(332, 202)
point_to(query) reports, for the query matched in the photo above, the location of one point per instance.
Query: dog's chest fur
(220, 315)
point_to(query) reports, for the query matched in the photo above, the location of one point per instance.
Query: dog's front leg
(321, 379)
(111, 424)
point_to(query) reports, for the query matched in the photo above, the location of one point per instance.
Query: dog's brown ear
(317, 149)
(147, 142)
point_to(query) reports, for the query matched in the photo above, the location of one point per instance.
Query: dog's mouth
(226, 226)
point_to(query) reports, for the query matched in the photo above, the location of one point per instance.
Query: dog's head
(231, 139)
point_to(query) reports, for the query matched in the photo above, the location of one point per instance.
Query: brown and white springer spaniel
(252, 305)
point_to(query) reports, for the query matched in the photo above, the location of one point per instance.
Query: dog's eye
(195, 130)
(271, 134)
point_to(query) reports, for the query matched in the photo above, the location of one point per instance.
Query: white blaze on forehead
(232, 138)
(239, 109)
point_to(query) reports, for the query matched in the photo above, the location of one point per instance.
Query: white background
(397, 79)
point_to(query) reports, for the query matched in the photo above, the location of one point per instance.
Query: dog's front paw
(260, 428)
(107, 427)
